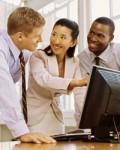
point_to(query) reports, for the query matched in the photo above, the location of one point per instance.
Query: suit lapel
(69, 68)
(53, 66)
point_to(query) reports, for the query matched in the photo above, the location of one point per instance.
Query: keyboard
(71, 136)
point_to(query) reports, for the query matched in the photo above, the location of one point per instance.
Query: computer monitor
(101, 111)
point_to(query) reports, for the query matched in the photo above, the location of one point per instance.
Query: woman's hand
(85, 81)
(78, 83)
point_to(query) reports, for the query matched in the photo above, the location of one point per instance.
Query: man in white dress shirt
(24, 30)
(100, 45)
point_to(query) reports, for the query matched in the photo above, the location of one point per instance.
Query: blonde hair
(24, 19)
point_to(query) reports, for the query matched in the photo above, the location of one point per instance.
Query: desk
(73, 145)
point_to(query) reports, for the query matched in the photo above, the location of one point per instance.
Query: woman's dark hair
(75, 31)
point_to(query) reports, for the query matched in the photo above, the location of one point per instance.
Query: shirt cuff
(19, 128)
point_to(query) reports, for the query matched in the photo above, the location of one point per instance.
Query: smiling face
(30, 42)
(61, 40)
(98, 38)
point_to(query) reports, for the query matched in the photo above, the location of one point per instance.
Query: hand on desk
(36, 138)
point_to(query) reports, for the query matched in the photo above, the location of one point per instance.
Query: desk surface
(73, 145)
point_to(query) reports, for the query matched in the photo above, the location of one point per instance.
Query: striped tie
(24, 104)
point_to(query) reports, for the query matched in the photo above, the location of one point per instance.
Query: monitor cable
(117, 133)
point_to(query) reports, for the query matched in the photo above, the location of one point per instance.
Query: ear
(20, 36)
(111, 38)
(73, 43)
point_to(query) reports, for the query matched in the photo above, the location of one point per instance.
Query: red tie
(24, 104)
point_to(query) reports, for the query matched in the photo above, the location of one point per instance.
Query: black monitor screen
(102, 103)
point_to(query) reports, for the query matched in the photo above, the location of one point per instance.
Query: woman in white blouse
(53, 71)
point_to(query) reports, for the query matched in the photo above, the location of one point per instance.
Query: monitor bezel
(93, 129)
